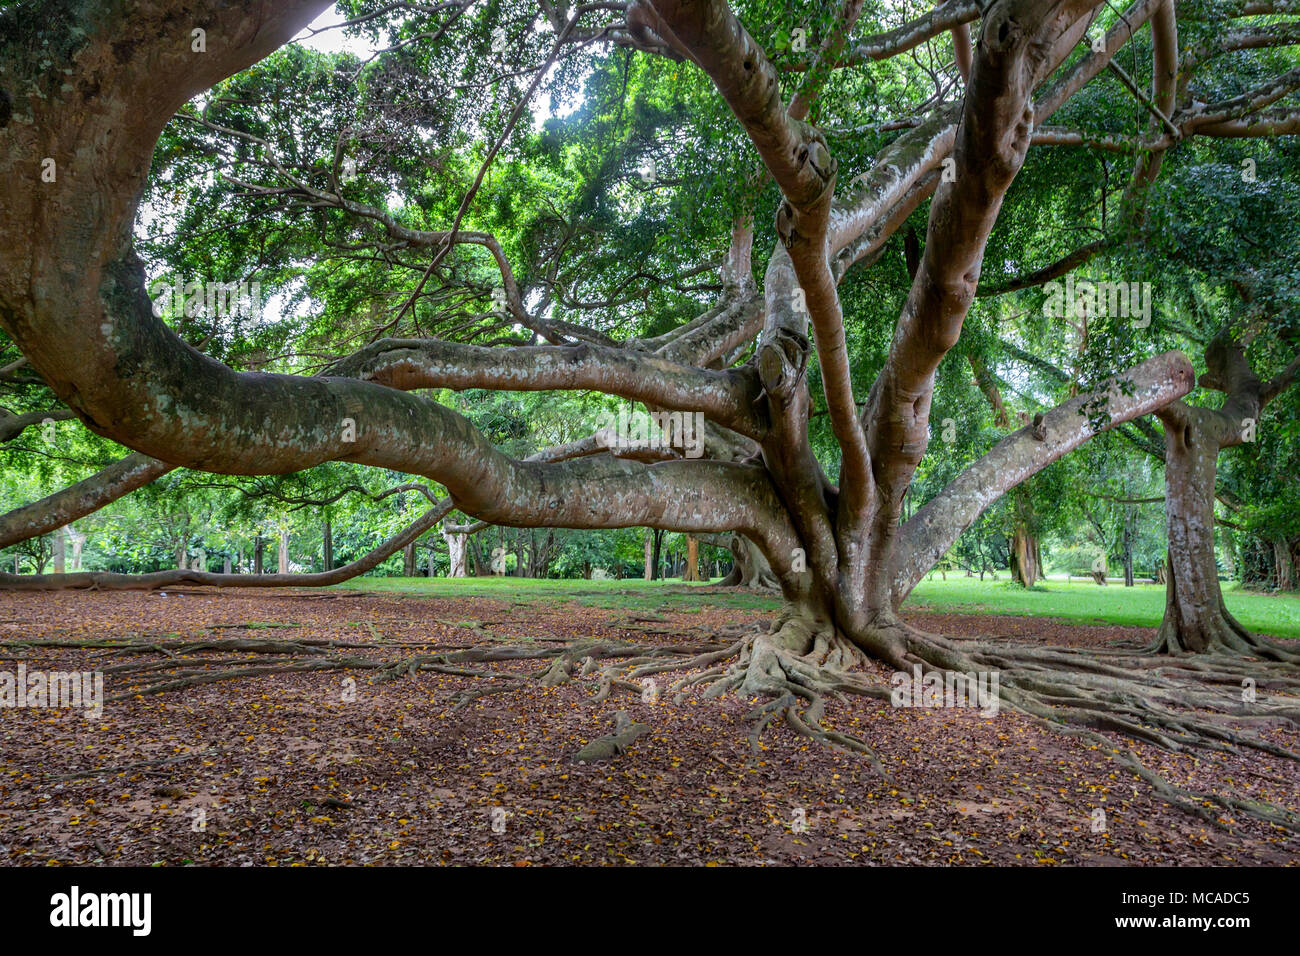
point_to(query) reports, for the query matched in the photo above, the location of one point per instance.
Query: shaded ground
(285, 770)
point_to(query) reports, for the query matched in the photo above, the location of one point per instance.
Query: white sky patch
(338, 41)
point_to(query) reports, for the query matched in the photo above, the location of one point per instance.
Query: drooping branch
(796, 156)
(106, 581)
(76, 501)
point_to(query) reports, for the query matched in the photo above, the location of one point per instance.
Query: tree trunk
(692, 571)
(327, 545)
(259, 553)
(649, 555)
(284, 551)
(456, 552)
(749, 568)
(1286, 578)
(60, 550)
(1024, 558)
(408, 561)
(1196, 620)
(225, 565)
(1127, 546)
(657, 567)
(78, 542)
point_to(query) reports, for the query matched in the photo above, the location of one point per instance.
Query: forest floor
(295, 768)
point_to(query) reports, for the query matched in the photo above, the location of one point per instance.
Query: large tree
(87, 90)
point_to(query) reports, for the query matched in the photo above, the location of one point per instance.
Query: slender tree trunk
(1128, 547)
(78, 542)
(327, 545)
(659, 543)
(284, 551)
(259, 553)
(60, 550)
(649, 555)
(408, 561)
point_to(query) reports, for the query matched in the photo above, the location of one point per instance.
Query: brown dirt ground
(290, 774)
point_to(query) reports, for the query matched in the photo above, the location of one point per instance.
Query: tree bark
(1286, 578)
(749, 569)
(692, 571)
(456, 553)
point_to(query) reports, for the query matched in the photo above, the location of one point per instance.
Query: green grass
(1080, 601)
(630, 594)
(1084, 602)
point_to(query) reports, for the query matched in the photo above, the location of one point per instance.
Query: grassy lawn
(1079, 601)
(1084, 602)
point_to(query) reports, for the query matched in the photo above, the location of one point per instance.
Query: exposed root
(1185, 703)
(626, 732)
